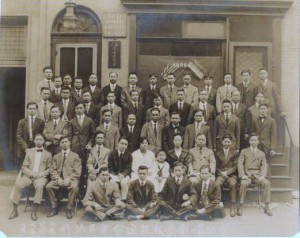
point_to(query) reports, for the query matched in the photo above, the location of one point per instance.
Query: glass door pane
(67, 61)
(85, 63)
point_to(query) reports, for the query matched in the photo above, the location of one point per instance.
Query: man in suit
(26, 131)
(77, 91)
(102, 200)
(54, 130)
(164, 116)
(66, 104)
(132, 85)
(44, 105)
(185, 110)
(209, 198)
(170, 130)
(65, 173)
(116, 111)
(252, 168)
(169, 91)
(247, 88)
(153, 131)
(55, 93)
(67, 80)
(35, 170)
(98, 157)
(47, 81)
(112, 87)
(226, 123)
(136, 108)
(224, 92)
(119, 166)
(201, 155)
(253, 111)
(211, 92)
(265, 127)
(141, 198)
(93, 88)
(194, 129)
(226, 172)
(91, 110)
(240, 110)
(150, 92)
(190, 91)
(131, 132)
(178, 196)
(111, 131)
(179, 154)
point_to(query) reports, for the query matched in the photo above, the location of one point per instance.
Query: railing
(292, 147)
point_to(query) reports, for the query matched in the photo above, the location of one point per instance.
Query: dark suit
(75, 97)
(148, 96)
(171, 197)
(54, 98)
(93, 113)
(139, 112)
(95, 95)
(104, 92)
(141, 197)
(70, 108)
(248, 93)
(167, 136)
(133, 139)
(186, 113)
(185, 158)
(117, 166)
(211, 96)
(209, 115)
(242, 114)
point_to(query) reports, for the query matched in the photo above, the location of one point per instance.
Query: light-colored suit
(169, 97)
(190, 135)
(206, 157)
(155, 142)
(164, 116)
(116, 115)
(44, 84)
(112, 136)
(222, 94)
(40, 112)
(191, 94)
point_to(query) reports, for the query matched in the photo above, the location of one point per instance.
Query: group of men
(89, 141)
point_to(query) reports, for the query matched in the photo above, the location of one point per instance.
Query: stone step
(281, 181)
(279, 169)
(280, 158)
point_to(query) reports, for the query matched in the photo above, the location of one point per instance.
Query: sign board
(114, 25)
(114, 54)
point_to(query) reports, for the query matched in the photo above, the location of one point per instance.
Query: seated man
(178, 196)
(226, 160)
(252, 168)
(65, 174)
(102, 199)
(119, 166)
(35, 170)
(141, 198)
(209, 198)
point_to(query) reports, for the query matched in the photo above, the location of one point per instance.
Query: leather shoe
(53, 212)
(69, 214)
(33, 216)
(268, 211)
(232, 211)
(165, 218)
(240, 211)
(191, 217)
(13, 214)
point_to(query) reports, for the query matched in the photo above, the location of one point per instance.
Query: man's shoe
(268, 211)
(232, 211)
(53, 212)
(33, 216)
(13, 214)
(165, 218)
(132, 218)
(191, 217)
(240, 211)
(69, 214)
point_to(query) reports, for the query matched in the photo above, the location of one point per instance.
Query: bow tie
(39, 150)
(262, 117)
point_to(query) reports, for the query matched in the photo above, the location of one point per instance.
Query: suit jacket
(185, 158)
(214, 195)
(23, 134)
(135, 197)
(211, 96)
(70, 168)
(209, 114)
(191, 94)
(93, 113)
(116, 115)
(95, 95)
(94, 161)
(167, 136)
(186, 113)
(105, 198)
(40, 111)
(44, 167)
(117, 166)
(267, 132)
(242, 114)
(43, 84)
(164, 116)
(70, 108)
(232, 128)
(248, 93)
(169, 97)
(226, 164)
(205, 158)
(155, 142)
(190, 135)
(271, 94)
(53, 97)
(252, 164)
(133, 140)
(148, 96)
(75, 97)
(221, 96)
(140, 113)
(112, 136)
(168, 194)
(104, 92)
(126, 98)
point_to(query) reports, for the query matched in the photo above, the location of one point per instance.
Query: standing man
(35, 170)
(55, 93)
(44, 105)
(190, 91)
(112, 87)
(164, 117)
(67, 81)
(132, 85)
(91, 110)
(211, 91)
(116, 111)
(27, 129)
(93, 88)
(150, 92)
(77, 91)
(47, 81)
(66, 104)
(169, 91)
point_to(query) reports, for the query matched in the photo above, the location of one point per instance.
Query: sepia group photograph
(149, 118)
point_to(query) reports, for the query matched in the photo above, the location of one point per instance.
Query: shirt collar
(129, 126)
(34, 117)
(56, 120)
(180, 179)
(38, 149)
(93, 86)
(119, 152)
(142, 182)
(65, 151)
(227, 114)
(80, 116)
(106, 124)
(170, 86)
(67, 100)
(206, 182)
(111, 104)
(253, 149)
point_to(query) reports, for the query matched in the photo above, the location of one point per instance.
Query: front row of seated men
(180, 198)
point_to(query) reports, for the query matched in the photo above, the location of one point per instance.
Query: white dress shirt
(37, 160)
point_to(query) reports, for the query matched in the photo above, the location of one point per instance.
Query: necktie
(49, 84)
(103, 187)
(78, 93)
(171, 89)
(121, 155)
(32, 123)
(180, 106)
(178, 181)
(155, 130)
(204, 197)
(106, 127)
(204, 188)
(98, 152)
(55, 124)
(227, 118)
(45, 111)
(131, 130)
(62, 165)
(201, 150)
(39, 150)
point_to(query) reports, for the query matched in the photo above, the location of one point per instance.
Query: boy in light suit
(169, 91)
(116, 111)
(190, 91)
(44, 105)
